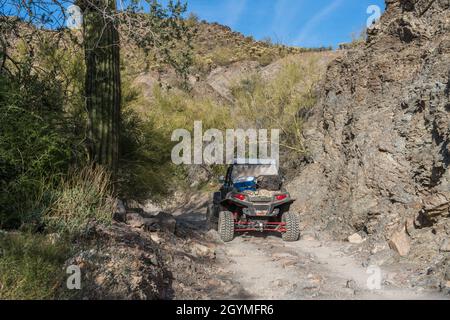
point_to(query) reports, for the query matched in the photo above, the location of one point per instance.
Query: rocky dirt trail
(269, 269)
(257, 266)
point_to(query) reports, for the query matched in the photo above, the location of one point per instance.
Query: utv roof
(255, 161)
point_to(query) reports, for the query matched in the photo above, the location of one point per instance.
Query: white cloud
(285, 12)
(315, 20)
(232, 11)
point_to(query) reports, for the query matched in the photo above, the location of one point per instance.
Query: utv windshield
(249, 170)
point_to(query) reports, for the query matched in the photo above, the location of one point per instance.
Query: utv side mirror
(222, 179)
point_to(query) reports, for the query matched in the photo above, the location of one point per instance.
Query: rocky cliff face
(379, 138)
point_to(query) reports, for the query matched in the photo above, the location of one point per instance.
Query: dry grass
(279, 103)
(84, 196)
(179, 110)
(31, 266)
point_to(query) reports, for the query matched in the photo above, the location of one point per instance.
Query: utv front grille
(261, 207)
(260, 199)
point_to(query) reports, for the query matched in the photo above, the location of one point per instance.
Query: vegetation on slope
(49, 184)
(217, 45)
(31, 265)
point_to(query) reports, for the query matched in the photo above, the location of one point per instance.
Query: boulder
(213, 235)
(400, 242)
(152, 224)
(155, 237)
(356, 238)
(437, 205)
(161, 222)
(135, 220)
(167, 222)
(445, 247)
(200, 250)
(120, 212)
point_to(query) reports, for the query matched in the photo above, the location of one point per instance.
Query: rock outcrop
(379, 137)
(121, 263)
(150, 257)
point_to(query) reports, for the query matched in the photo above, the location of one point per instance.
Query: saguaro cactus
(103, 94)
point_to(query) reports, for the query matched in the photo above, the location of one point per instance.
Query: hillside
(220, 58)
(218, 45)
(227, 92)
(364, 152)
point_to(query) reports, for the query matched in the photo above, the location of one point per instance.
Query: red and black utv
(252, 198)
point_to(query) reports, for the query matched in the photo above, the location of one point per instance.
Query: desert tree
(107, 24)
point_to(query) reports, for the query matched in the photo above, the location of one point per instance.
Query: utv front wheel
(226, 226)
(292, 227)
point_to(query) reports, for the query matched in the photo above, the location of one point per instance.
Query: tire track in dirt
(267, 268)
(261, 266)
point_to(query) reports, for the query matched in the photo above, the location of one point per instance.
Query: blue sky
(303, 23)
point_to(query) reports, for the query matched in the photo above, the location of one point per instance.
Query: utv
(252, 198)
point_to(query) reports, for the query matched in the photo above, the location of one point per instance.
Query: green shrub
(146, 170)
(172, 111)
(223, 56)
(42, 125)
(37, 144)
(266, 58)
